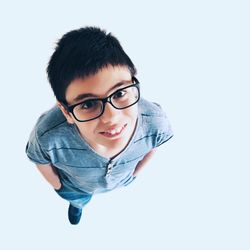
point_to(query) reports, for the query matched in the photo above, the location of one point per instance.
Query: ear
(67, 115)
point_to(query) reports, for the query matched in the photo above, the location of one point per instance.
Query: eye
(119, 94)
(88, 104)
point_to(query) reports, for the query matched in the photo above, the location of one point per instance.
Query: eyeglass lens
(92, 108)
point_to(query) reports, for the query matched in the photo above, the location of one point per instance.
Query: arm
(50, 174)
(143, 162)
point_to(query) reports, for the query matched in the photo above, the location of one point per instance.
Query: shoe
(74, 214)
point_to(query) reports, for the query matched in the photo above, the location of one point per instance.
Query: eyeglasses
(91, 109)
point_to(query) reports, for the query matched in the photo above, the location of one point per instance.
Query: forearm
(144, 161)
(50, 174)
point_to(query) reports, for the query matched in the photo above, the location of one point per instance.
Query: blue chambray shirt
(55, 141)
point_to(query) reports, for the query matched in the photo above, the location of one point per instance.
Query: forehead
(99, 84)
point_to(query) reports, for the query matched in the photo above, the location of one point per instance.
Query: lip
(109, 135)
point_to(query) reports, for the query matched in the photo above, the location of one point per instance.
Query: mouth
(114, 132)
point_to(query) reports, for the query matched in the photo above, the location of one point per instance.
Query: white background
(192, 58)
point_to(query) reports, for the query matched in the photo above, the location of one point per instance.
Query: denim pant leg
(76, 198)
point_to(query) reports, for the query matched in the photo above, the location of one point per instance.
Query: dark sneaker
(74, 214)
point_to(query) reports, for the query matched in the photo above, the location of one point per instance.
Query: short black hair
(81, 53)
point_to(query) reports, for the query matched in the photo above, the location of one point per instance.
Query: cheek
(131, 112)
(87, 129)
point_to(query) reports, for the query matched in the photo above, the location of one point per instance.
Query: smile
(114, 132)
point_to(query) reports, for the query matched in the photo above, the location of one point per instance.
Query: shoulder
(154, 124)
(53, 140)
(147, 108)
(50, 120)
(52, 129)
(152, 116)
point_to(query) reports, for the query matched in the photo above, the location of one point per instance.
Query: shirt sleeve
(164, 129)
(34, 150)
(162, 138)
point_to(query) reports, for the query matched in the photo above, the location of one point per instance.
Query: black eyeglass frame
(70, 108)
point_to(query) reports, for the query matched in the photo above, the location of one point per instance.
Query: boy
(101, 133)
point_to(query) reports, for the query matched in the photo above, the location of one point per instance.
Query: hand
(58, 186)
(141, 164)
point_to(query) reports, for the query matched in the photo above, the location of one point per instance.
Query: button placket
(109, 168)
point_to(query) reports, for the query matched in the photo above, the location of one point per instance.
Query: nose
(110, 115)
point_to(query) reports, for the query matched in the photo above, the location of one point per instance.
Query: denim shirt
(54, 141)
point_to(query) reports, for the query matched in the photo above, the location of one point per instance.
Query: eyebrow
(82, 96)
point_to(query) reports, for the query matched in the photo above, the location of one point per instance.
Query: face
(115, 127)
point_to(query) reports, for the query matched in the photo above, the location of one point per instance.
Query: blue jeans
(76, 198)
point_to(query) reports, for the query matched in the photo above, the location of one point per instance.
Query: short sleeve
(164, 129)
(34, 150)
(162, 138)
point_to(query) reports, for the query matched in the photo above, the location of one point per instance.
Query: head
(90, 62)
(82, 53)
